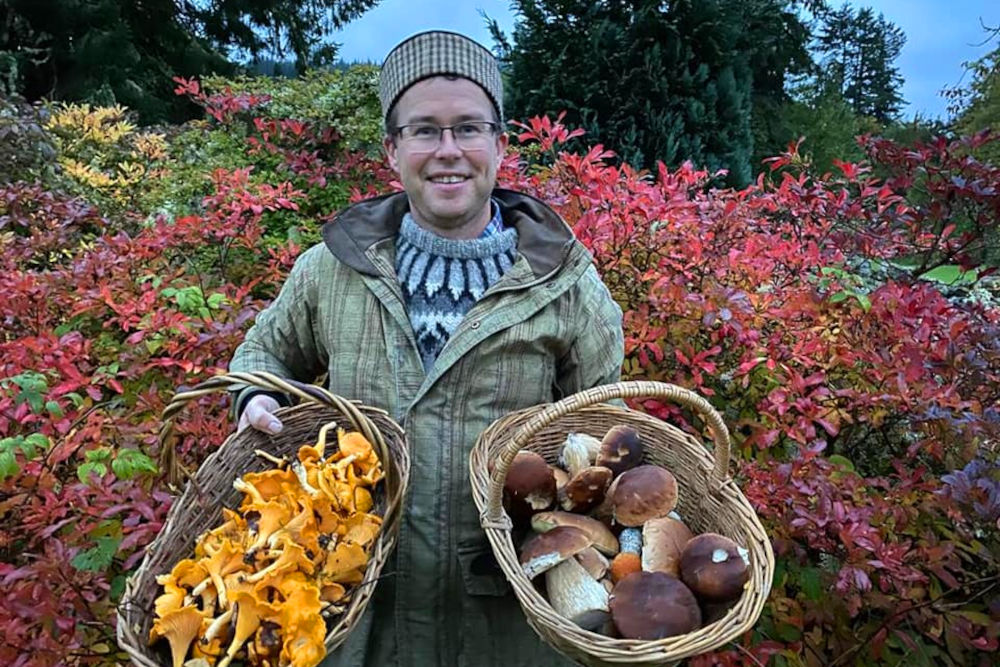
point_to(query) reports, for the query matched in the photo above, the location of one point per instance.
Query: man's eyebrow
(433, 120)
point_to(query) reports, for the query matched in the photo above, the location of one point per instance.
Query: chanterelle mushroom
(179, 627)
(250, 611)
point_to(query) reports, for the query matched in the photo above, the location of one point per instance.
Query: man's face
(453, 209)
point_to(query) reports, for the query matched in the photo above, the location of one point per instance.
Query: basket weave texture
(199, 508)
(709, 501)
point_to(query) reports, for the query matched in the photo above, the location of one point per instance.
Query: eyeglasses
(471, 135)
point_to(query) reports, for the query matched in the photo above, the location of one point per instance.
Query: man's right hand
(259, 413)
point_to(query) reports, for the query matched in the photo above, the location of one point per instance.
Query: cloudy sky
(941, 34)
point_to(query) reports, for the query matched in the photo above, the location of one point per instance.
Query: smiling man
(449, 305)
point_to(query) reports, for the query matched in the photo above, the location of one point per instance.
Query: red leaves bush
(854, 388)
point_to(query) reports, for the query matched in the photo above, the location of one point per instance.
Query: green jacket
(548, 328)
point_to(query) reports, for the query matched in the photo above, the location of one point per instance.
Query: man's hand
(259, 413)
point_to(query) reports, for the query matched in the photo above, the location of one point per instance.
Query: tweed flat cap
(437, 52)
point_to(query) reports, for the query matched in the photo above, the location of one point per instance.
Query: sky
(940, 36)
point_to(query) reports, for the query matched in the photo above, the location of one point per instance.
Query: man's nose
(447, 146)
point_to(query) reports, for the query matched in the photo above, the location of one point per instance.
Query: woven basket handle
(269, 382)
(601, 394)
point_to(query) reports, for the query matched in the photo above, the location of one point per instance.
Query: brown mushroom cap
(593, 562)
(663, 541)
(599, 534)
(643, 493)
(586, 490)
(715, 567)
(548, 549)
(530, 486)
(653, 605)
(562, 477)
(621, 449)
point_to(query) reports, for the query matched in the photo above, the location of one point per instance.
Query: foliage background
(845, 323)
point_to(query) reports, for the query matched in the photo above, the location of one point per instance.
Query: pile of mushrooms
(617, 558)
(261, 585)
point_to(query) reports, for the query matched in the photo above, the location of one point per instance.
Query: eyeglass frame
(494, 127)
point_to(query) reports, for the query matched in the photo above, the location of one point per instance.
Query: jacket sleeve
(596, 354)
(283, 339)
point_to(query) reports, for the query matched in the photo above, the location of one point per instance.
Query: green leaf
(117, 587)
(839, 296)
(38, 440)
(8, 465)
(843, 461)
(866, 303)
(54, 409)
(809, 580)
(787, 632)
(99, 454)
(99, 557)
(950, 274)
(216, 300)
(85, 470)
(131, 463)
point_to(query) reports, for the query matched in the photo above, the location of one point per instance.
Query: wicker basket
(199, 508)
(708, 501)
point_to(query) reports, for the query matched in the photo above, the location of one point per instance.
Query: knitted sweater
(442, 278)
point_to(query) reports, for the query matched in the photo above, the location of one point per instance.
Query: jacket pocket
(481, 573)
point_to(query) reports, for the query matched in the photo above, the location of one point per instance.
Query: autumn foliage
(846, 325)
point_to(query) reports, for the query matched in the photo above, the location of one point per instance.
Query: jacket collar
(544, 239)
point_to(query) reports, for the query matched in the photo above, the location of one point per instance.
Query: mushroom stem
(216, 625)
(300, 472)
(279, 461)
(576, 595)
(321, 439)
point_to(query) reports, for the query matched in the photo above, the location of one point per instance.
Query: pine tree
(108, 51)
(651, 80)
(858, 51)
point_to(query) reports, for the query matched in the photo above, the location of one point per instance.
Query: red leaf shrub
(863, 399)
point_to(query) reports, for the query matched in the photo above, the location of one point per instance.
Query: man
(449, 305)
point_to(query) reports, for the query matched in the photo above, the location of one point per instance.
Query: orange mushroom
(179, 627)
(346, 564)
(250, 612)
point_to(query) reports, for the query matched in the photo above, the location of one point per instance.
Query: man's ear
(502, 141)
(390, 152)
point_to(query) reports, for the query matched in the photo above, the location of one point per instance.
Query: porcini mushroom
(576, 595)
(663, 541)
(643, 493)
(594, 562)
(653, 605)
(530, 486)
(715, 567)
(546, 550)
(620, 449)
(179, 627)
(599, 534)
(575, 454)
(585, 490)
(562, 477)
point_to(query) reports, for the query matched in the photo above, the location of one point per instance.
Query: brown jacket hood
(543, 238)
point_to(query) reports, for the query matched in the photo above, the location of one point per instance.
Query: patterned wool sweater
(442, 278)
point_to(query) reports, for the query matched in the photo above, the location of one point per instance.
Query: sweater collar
(543, 238)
